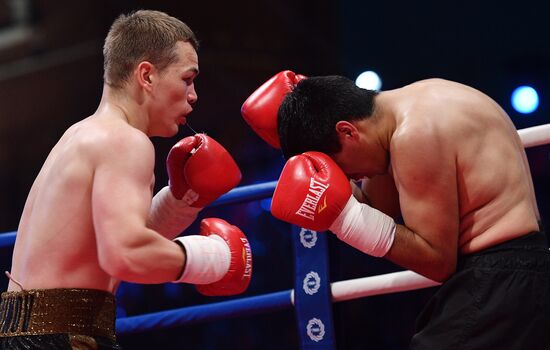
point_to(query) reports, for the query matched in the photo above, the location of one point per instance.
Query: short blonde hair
(143, 35)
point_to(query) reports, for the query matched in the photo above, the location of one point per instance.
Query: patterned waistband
(48, 311)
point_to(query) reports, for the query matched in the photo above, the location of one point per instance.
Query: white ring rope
(535, 136)
(394, 282)
(382, 284)
(408, 280)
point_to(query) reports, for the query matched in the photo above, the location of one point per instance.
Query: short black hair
(308, 114)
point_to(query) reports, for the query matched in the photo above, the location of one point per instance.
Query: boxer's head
(308, 115)
(142, 36)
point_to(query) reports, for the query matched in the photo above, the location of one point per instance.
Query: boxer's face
(174, 92)
(359, 160)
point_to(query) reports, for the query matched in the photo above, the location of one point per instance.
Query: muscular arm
(425, 177)
(121, 199)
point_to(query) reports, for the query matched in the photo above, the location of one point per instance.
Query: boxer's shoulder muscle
(103, 140)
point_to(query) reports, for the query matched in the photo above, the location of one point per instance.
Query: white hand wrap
(364, 228)
(207, 259)
(170, 216)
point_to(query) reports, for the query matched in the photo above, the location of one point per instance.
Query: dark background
(51, 77)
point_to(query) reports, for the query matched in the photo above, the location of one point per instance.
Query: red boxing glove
(261, 108)
(311, 192)
(200, 164)
(237, 278)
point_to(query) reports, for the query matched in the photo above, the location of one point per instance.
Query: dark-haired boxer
(448, 160)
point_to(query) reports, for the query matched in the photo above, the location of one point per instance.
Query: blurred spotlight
(369, 80)
(525, 99)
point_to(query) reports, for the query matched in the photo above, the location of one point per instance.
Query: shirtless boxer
(90, 220)
(448, 160)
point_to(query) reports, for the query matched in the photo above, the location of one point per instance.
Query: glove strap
(207, 259)
(170, 216)
(365, 228)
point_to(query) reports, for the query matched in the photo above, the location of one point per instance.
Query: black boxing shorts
(497, 299)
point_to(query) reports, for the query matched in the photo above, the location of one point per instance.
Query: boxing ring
(313, 293)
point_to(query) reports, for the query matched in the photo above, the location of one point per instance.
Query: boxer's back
(55, 245)
(495, 191)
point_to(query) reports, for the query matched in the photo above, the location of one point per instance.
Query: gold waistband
(47, 311)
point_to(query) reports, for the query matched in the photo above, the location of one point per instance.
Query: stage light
(369, 80)
(525, 99)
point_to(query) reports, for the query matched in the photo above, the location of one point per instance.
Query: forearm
(148, 259)
(170, 216)
(365, 228)
(411, 251)
(375, 233)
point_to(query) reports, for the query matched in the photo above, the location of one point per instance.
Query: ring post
(312, 297)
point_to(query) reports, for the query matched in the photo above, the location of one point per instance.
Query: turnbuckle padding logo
(308, 238)
(315, 329)
(311, 283)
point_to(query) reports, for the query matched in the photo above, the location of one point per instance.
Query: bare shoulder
(418, 137)
(443, 90)
(428, 82)
(420, 148)
(433, 81)
(116, 140)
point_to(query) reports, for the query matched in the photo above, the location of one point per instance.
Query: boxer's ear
(143, 74)
(346, 130)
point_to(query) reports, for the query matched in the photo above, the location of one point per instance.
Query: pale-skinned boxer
(90, 219)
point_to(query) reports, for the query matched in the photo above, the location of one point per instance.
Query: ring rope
(535, 135)
(341, 291)
(201, 313)
(382, 284)
(246, 194)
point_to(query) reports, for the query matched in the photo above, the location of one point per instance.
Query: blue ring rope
(246, 194)
(209, 312)
(7, 239)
